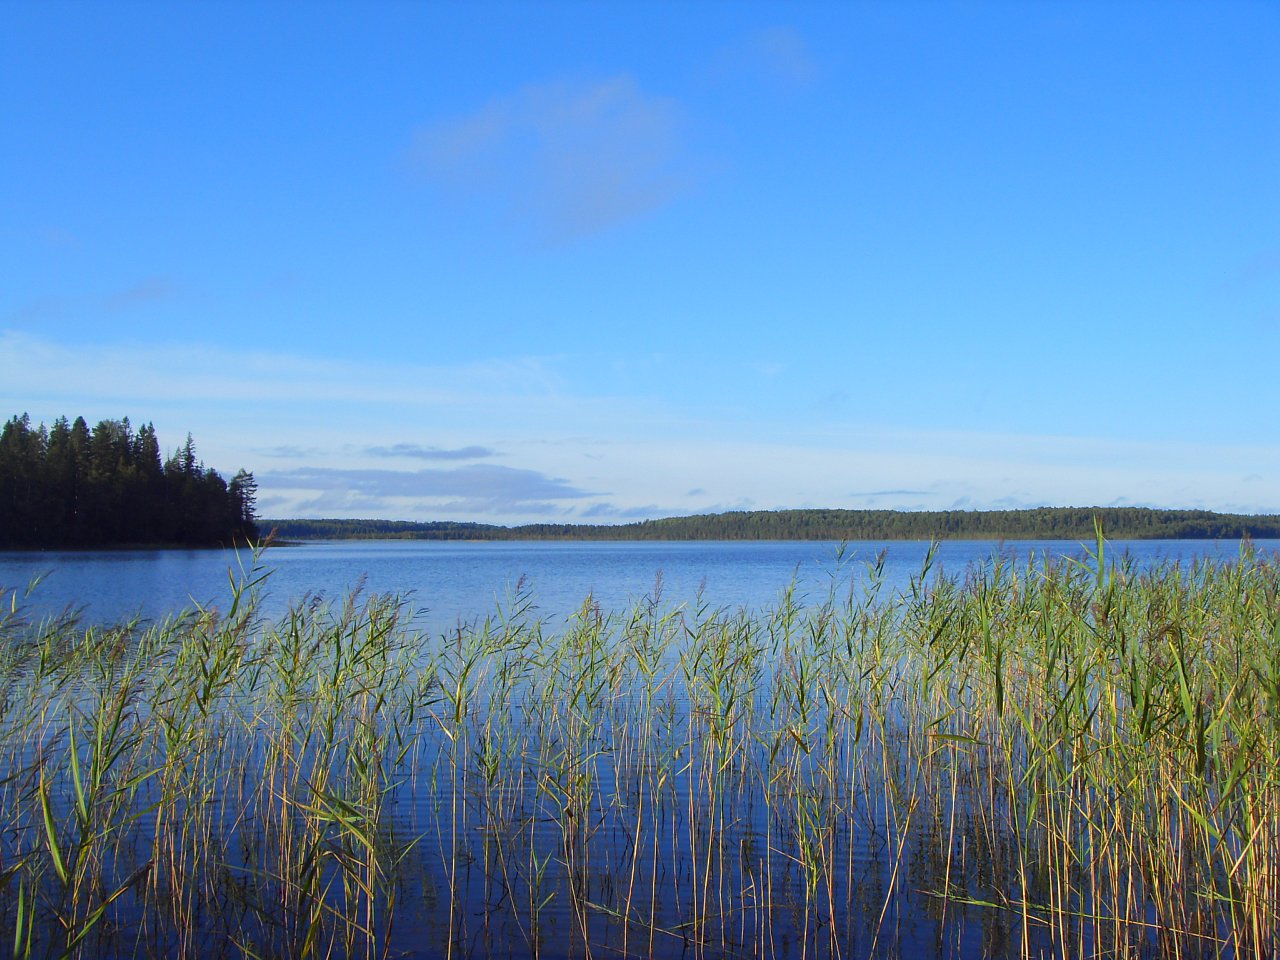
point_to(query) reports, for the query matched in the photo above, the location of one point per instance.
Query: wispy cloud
(292, 411)
(892, 493)
(777, 56)
(145, 292)
(148, 291)
(288, 452)
(40, 310)
(58, 237)
(478, 488)
(783, 54)
(571, 158)
(37, 367)
(419, 452)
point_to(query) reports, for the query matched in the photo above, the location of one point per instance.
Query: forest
(72, 486)
(1043, 523)
(69, 486)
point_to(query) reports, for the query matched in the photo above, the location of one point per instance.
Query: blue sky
(576, 261)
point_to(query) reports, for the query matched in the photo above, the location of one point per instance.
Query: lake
(451, 581)
(1018, 766)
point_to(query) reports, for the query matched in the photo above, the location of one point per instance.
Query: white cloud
(571, 158)
(579, 456)
(37, 368)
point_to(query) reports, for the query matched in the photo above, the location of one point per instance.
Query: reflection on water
(448, 582)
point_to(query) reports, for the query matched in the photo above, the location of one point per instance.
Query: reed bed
(1034, 759)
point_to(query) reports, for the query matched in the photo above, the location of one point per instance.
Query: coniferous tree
(244, 495)
(71, 486)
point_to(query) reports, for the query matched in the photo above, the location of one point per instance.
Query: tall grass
(1032, 759)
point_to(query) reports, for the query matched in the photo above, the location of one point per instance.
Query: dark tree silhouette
(72, 487)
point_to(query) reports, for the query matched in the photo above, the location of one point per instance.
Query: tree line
(69, 486)
(1043, 523)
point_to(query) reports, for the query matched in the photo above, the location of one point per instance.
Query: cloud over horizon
(477, 488)
(321, 433)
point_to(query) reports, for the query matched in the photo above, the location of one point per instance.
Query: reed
(1036, 758)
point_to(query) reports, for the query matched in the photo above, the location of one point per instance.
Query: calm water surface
(449, 582)
(556, 816)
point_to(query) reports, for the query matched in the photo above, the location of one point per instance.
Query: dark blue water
(637, 830)
(449, 582)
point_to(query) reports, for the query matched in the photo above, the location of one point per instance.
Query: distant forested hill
(69, 486)
(385, 530)
(1044, 523)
